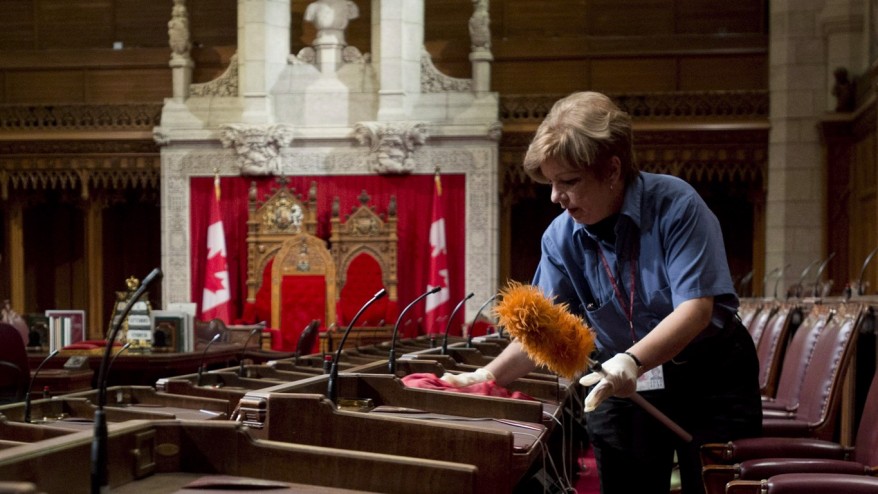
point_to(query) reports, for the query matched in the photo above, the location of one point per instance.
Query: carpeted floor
(588, 475)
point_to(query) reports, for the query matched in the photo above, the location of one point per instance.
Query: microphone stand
(469, 340)
(863, 270)
(331, 390)
(204, 354)
(99, 474)
(450, 319)
(820, 269)
(391, 366)
(244, 350)
(32, 380)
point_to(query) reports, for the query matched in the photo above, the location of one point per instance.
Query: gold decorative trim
(123, 116)
(725, 105)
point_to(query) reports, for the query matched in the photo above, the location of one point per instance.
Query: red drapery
(414, 194)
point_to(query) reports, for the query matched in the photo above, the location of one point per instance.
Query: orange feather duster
(547, 331)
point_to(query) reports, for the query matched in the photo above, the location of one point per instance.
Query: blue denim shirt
(679, 253)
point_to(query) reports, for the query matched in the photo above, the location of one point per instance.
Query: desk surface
(145, 369)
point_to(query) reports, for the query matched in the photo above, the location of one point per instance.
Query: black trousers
(711, 391)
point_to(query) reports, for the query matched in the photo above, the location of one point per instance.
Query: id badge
(651, 379)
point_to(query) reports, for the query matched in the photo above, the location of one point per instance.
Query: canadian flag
(437, 304)
(216, 299)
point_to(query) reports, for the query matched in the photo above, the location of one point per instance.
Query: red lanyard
(629, 310)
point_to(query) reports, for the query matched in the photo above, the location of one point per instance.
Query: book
(65, 328)
(188, 308)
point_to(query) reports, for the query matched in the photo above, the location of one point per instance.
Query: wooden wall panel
(80, 24)
(864, 210)
(211, 22)
(49, 86)
(18, 24)
(549, 76)
(128, 85)
(132, 15)
(528, 18)
(634, 75)
(723, 72)
(630, 18)
(720, 16)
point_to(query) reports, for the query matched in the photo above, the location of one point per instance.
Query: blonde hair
(583, 131)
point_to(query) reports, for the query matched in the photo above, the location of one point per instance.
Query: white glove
(618, 377)
(467, 378)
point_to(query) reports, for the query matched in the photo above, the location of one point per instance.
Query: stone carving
(844, 91)
(257, 146)
(391, 144)
(139, 116)
(331, 17)
(433, 81)
(306, 55)
(178, 31)
(351, 54)
(479, 26)
(224, 85)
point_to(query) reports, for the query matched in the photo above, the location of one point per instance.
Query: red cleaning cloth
(487, 388)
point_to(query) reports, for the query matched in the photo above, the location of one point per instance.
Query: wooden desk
(146, 369)
(61, 381)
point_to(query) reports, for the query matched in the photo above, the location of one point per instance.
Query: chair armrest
(769, 467)
(744, 487)
(771, 447)
(771, 413)
(794, 483)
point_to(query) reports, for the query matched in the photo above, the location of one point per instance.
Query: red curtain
(413, 194)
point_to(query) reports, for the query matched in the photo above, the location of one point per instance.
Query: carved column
(330, 18)
(480, 49)
(94, 249)
(795, 206)
(15, 248)
(263, 48)
(181, 62)
(397, 38)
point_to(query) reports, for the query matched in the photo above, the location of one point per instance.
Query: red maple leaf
(216, 264)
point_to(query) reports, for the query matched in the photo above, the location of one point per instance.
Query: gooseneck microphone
(860, 289)
(99, 477)
(391, 366)
(32, 380)
(203, 355)
(469, 339)
(244, 350)
(331, 387)
(450, 319)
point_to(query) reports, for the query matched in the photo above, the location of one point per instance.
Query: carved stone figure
(331, 17)
(257, 146)
(178, 30)
(843, 90)
(479, 26)
(392, 145)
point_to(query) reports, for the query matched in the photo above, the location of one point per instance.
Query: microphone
(820, 269)
(391, 366)
(554, 337)
(99, 480)
(331, 391)
(244, 350)
(860, 289)
(469, 339)
(204, 354)
(32, 380)
(451, 318)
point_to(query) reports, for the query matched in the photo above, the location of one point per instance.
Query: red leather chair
(763, 457)
(796, 358)
(14, 367)
(772, 343)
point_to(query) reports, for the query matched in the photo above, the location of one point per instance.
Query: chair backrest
(798, 354)
(364, 247)
(308, 339)
(14, 369)
(748, 310)
(757, 325)
(866, 442)
(826, 371)
(772, 343)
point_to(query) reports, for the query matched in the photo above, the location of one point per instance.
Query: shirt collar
(630, 205)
